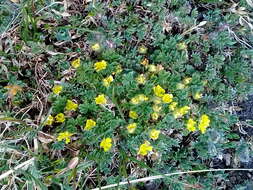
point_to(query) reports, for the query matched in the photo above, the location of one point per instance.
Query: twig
(26, 163)
(166, 175)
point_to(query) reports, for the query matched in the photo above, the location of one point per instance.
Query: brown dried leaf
(45, 138)
(73, 163)
(13, 90)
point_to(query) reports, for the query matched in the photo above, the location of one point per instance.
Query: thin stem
(166, 175)
(114, 100)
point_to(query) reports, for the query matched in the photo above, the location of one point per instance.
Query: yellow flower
(49, 120)
(145, 148)
(179, 112)
(180, 86)
(187, 80)
(204, 122)
(181, 46)
(152, 68)
(154, 116)
(191, 125)
(57, 89)
(89, 124)
(141, 79)
(156, 108)
(143, 49)
(144, 62)
(138, 99)
(71, 106)
(95, 47)
(197, 96)
(107, 81)
(131, 127)
(167, 98)
(76, 63)
(64, 136)
(60, 118)
(172, 106)
(101, 65)
(118, 69)
(159, 91)
(100, 99)
(106, 144)
(135, 100)
(133, 115)
(154, 134)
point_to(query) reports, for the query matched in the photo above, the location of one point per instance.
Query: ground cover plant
(95, 93)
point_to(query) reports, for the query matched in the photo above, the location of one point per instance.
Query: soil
(246, 112)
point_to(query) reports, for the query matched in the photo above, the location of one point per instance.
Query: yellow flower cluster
(89, 124)
(160, 92)
(57, 89)
(76, 63)
(64, 136)
(100, 65)
(203, 123)
(107, 81)
(71, 106)
(59, 118)
(106, 144)
(101, 99)
(139, 98)
(131, 127)
(145, 148)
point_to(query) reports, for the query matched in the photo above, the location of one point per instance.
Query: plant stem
(167, 175)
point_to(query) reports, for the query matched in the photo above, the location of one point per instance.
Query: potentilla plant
(122, 109)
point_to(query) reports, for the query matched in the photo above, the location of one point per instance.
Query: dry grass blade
(165, 175)
(250, 3)
(20, 166)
